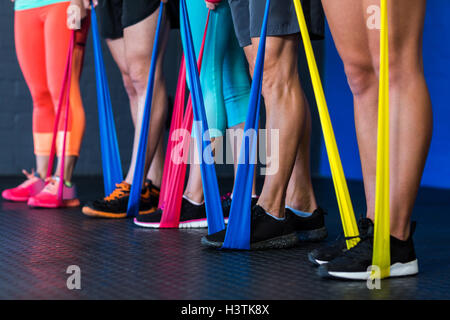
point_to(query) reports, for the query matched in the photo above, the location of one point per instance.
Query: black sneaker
(311, 228)
(226, 205)
(327, 253)
(354, 263)
(115, 205)
(191, 216)
(266, 232)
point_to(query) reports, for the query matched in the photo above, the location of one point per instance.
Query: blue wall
(437, 72)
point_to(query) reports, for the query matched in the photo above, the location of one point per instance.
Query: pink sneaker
(32, 186)
(48, 197)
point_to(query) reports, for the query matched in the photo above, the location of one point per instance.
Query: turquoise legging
(224, 75)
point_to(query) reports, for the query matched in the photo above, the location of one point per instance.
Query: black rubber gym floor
(121, 261)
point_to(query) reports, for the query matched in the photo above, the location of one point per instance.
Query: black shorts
(248, 16)
(116, 15)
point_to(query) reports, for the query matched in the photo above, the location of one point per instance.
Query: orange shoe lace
(121, 190)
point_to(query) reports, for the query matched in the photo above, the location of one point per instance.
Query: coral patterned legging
(42, 43)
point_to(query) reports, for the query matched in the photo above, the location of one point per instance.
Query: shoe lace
(120, 191)
(50, 186)
(30, 178)
(226, 197)
(362, 225)
(363, 247)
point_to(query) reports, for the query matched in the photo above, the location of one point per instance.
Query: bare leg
(69, 166)
(410, 105)
(42, 165)
(138, 49)
(194, 186)
(285, 110)
(236, 151)
(300, 193)
(157, 166)
(117, 48)
(194, 189)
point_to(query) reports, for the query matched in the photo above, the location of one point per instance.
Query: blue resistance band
(112, 168)
(214, 212)
(136, 187)
(238, 230)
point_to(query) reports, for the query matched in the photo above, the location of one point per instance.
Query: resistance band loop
(63, 97)
(213, 204)
(238, 230)
(112, 169)
(174, 173)
(381, 248)
(136, 187)
(340, 185)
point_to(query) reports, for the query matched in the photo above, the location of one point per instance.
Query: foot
(115, 205)
(325, 254)
(31, 187)
(353, 264)
(191, 216)
(266, 232)
(310, 228)
(48, 197)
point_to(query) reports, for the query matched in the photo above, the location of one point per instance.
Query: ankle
(156, 181)
(401, 232)
(41, 174)
(304, 207)
(274, 210)
(193, 197)
(305, 203)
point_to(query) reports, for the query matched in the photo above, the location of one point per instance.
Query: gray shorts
(248, 16)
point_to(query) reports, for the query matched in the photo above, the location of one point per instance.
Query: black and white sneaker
(354, 264)
(191, 216)
(310, 228)
(327, 253)
(266, 232)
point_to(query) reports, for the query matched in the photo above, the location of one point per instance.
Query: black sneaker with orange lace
(115, 205)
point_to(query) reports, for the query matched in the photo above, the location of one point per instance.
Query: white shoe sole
(396, 270)
(320, 262)
(192, 224)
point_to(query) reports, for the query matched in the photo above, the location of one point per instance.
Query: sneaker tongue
(258, 211)
(366, 226)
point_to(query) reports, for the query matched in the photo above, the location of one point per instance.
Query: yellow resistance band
(381, 249)
(340, 185)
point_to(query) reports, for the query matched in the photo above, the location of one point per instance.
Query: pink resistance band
(174, 174)
(64, 96)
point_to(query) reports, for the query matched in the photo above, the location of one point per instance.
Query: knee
(360, 77)
(278, 77)
(128, 84)
(402, 67)
(42, 99)
(138, 76)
